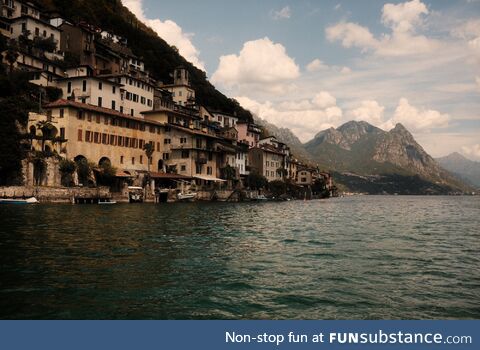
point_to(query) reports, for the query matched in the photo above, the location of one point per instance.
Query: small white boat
(261, 198)
(186, 196)
(31, 200)
(106, 201)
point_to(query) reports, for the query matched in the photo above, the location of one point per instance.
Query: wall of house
(304, 178)
(36, 28)
(15, 9)
(95, 138)
(137, 96)
(94, 88)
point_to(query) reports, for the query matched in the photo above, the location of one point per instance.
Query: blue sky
(309, 65)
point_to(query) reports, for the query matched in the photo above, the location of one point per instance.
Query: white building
(182, 93)
(14, 9)
(137, 95)
(92, 90)
(37, 29)
(225, 120)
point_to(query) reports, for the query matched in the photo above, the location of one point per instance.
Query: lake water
(366, 257)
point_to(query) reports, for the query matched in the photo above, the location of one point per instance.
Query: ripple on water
(362, 257)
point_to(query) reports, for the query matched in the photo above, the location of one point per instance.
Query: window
(183, 168)
(126, 142)
(80, 115)
(98, 118)
(99, 102)
(132, 112)
(198, 168)
(121, 109)
(80, 134)
(112, 140)
(199, 143)
(167, 141)
(166, 156)
(69, 87)
(121, 159)
(141, 159)
(185, 154)
(37, 32)
(113, 105)
(120, 141)
(62, 133)
(180, 93)
(62, 113)
(158, 146)
(183, 140)
(96, 137)
(100, 85)
(114, 89)
(105, 120)
(209, 170)
(84, 86)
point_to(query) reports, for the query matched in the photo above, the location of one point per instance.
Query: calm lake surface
(366, 257)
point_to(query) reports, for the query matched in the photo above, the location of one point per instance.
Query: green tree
(277, 187)
(11, 55)
(149, 149)
(256, 181)
(67, 169)
(229, 173)
(84, 171)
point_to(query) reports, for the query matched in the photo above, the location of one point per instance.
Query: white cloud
(369, 111)
(170, 31)
(324, 100)
(316, 65)
(305, 118)
(405, 16)
(472, 150)
(345, 70)
(351, 35)
(284, 13)
(477, 80)
(337, 7)
(416, 120)
(261, 63)
(402, 19)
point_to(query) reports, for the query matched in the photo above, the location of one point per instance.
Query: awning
(209, 178)
(124, 174)
(168, 176)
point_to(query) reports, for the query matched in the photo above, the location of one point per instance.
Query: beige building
(182, 93)
(267, 161)
(100, 134)
(14, 9)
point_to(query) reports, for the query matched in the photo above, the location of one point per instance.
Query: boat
(31, 200)
(106, 201)
(135, 194)
(261, 197)
(186, 196)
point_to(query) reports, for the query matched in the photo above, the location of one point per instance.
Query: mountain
(368, 159)
(160, 58)
(286, 136)
(462, 167)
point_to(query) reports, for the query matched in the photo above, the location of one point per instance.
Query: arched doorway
(104, 161)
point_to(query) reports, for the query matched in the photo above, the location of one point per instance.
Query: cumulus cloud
(305, 118)
(472, 151)
(316, 65)
(369, 111)
(402, 19)
(260, 63)
(284, 13)
(416, 119)
(170, 31)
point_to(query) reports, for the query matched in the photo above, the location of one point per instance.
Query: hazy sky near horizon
(310, 65)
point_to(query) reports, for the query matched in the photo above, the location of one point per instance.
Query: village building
(248, 132)
(182, 93)
(224, 120)
(79, 41)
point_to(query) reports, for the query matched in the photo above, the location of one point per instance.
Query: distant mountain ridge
(364, 152)
(465, 169)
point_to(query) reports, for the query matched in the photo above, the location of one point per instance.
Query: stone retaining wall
(54, 194)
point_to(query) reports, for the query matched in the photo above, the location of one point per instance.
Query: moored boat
(31, 200)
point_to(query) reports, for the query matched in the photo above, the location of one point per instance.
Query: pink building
(248, 132)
